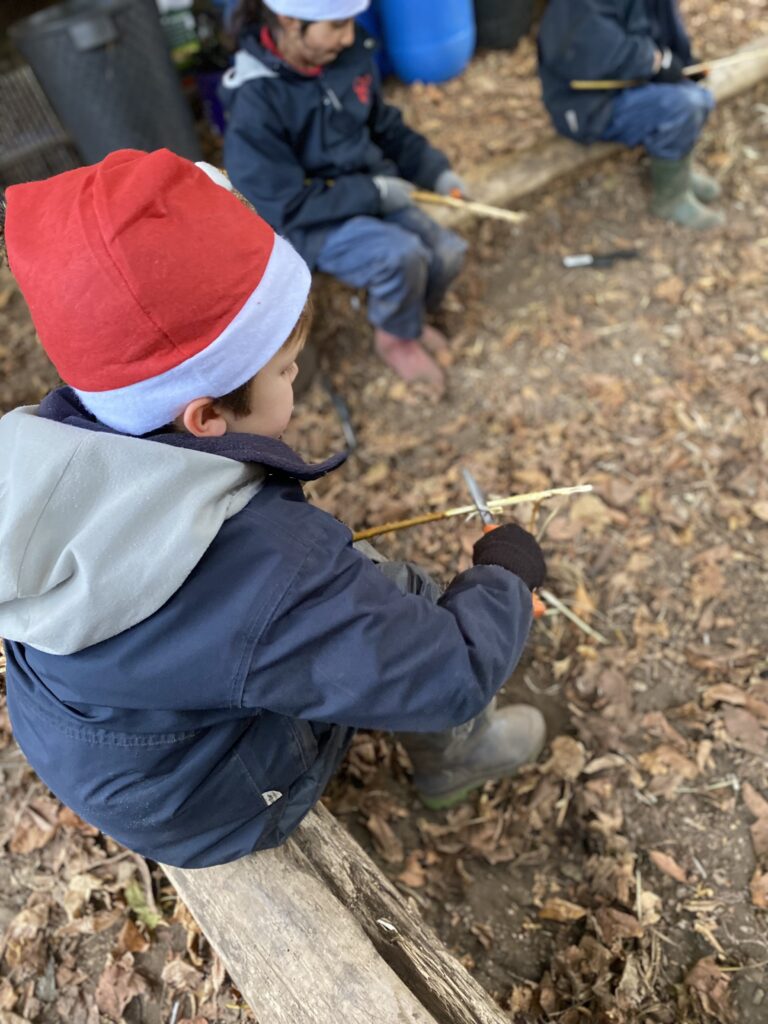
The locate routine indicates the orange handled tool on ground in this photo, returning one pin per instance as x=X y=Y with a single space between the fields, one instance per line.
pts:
x=489 y=523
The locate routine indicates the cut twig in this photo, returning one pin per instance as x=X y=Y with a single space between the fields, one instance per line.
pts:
x=495 y=505
x=545 y=525
x=557 y=604
x=469 y=205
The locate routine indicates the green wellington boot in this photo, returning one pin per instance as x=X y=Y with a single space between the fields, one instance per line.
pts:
x=448 y=765
x=704 y=186
x=673 y=197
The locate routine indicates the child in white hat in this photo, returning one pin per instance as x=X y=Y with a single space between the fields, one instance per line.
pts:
x=312 y=144
x=189 y=643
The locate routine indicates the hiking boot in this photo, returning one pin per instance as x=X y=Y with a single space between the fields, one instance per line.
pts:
x=408 y=359
x=448 y=765
x=673 y=197
x=704 y=186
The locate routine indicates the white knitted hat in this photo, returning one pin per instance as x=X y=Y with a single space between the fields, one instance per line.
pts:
x=318 y=10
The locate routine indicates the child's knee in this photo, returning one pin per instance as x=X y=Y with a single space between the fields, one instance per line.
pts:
x=409 y=253
x=405 y=259
x=449 y=256
x=694 y=105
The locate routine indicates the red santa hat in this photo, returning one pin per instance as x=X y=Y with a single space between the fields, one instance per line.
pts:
x=150 y=284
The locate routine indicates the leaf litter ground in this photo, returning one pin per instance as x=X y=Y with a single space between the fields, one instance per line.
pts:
x=625 y=877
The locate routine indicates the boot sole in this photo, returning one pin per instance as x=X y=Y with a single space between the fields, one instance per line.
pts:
x=442 y=801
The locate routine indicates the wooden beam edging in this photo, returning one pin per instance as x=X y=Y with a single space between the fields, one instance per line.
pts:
x=505 y=181
x=314 y=933
x=407 y=944
x=294 y=952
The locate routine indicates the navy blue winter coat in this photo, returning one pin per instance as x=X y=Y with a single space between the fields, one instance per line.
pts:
x=209 y=728
x=590 y=39
x=304 y=148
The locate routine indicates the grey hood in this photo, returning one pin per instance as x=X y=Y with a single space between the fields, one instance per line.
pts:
x=98 y=530
x=245 y=68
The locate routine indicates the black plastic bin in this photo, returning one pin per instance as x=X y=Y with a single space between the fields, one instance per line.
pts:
x=502 y=23
x=104 y=66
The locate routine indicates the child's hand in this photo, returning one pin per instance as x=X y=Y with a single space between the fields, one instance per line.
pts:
x=513 y=548
x=450 y=184
x=394 y=193
x=669 y=69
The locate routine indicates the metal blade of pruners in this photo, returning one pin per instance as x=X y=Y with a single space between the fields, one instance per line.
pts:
x=479 y=499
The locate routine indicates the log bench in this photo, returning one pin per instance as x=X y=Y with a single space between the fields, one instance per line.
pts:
x=314 y=933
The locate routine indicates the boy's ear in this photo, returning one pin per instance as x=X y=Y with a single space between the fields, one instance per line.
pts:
x=201 y=418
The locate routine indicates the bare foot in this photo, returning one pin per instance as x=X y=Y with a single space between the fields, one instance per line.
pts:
x=437 y=344
x=408 y=359
x=434 y=341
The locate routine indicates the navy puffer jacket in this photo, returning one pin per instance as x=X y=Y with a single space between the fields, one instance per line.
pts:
x=593 y=39
x=303 y=148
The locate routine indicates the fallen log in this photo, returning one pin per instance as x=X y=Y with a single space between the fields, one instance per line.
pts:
x=314 y=933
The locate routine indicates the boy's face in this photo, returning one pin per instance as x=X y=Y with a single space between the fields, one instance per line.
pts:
x=271 y=393
x=320 y=43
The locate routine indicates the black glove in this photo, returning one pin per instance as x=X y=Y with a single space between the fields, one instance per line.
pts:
x=513 y=548
x=671 y=70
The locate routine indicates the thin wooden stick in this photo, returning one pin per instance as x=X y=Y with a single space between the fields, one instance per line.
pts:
x=583 y=85
x=593 y=85
x=470 y=205
x=558 y=605
x=494 y=505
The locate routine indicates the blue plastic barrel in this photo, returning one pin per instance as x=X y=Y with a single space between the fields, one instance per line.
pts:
x=428 y=41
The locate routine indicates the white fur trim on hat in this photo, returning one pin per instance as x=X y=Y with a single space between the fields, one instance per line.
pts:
x=245 y=345
x=215 y=174
x=318 y=10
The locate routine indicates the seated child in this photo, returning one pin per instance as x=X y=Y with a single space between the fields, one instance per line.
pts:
x=311 y=143
x=643 y=41
x=189 y=643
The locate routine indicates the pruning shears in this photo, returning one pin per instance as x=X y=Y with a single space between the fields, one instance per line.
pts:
x=489 y=523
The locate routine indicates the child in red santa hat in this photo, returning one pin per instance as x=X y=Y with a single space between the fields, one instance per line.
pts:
x=189 y=643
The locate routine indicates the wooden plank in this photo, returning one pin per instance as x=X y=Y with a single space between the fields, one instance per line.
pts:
x=502 y=182
x=395 y=928
x=314 y=933
x=297 y=955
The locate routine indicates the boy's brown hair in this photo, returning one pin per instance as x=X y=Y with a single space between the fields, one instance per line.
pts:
x=238 y=402
x=253 y=13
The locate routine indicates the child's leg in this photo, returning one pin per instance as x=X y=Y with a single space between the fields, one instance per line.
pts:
x=448 y=765
x=666 y=119
x=393 y=264
x=387 y=260
x=446 y=249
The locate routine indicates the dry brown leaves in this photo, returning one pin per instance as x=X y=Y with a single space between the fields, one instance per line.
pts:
x=649 y=382
x=118 y=985
x=708 y=986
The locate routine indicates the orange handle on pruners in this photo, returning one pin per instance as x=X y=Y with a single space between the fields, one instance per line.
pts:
x=539 y=608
